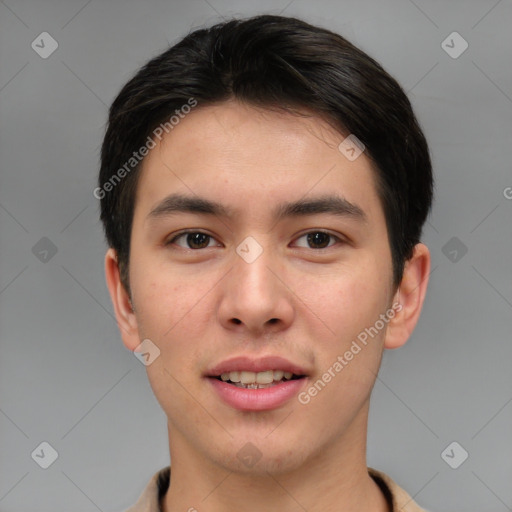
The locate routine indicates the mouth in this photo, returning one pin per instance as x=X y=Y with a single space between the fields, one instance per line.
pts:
x=260 y=380
x=250 y=384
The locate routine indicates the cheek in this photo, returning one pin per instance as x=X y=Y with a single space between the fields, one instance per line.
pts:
x=160 y=294
x=348 y=300
x=173 y=311
x=351 y=303
x=349 y=358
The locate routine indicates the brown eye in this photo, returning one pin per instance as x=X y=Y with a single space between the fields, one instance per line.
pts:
x=193 y=240
x=318 y=240
x=197 y=240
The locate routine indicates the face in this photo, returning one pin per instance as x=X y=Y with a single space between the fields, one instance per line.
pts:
x=286 y=257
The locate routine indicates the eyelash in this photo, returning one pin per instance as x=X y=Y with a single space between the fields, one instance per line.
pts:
x=187 y=232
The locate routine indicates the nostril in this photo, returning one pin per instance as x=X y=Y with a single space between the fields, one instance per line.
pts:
x=237 y=321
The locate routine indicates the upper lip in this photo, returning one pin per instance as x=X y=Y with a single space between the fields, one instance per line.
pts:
x=255 y=365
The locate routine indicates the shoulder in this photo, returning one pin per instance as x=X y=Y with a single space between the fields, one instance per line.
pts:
x=399 y=499
x=149 y=500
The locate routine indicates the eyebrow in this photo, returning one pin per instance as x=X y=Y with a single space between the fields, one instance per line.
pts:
x=330 y=204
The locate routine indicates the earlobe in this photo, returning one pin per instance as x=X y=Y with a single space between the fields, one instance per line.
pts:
x=125 y=314
x=410 y=295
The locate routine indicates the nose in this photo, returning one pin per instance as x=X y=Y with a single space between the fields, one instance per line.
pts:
x=255 y=296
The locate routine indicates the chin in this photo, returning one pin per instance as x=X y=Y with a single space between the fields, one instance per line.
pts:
x=261 y=457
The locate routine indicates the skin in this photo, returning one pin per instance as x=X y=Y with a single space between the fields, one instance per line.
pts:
x=202 y=306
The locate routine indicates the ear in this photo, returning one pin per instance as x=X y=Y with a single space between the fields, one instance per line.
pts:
x=125 y=315
x=410 y=295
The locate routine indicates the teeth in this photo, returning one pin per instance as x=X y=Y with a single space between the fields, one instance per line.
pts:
x=234 y=376
x=266 y=377
x=278 y=374
x=252 y=386
x=247 y=377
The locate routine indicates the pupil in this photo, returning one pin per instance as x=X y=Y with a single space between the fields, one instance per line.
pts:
x=197 y=239
x=318 y=239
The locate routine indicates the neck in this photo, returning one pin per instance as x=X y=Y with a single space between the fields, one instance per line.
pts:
x=334 y=480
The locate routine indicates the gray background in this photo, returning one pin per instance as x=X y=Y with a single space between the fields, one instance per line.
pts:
x=66 y=378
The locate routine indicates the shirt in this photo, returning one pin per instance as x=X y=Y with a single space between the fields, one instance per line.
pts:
x=149 y=501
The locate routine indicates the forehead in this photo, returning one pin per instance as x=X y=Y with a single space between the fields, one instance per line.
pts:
x=244 y=156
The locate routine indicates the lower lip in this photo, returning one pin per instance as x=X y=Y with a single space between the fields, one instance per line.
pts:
x=257 y=399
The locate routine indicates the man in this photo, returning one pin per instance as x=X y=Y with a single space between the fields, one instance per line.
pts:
x=263 y=189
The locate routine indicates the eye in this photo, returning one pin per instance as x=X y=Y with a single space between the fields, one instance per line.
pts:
x=193 y=240
x=318 y=240
x=198 y=240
